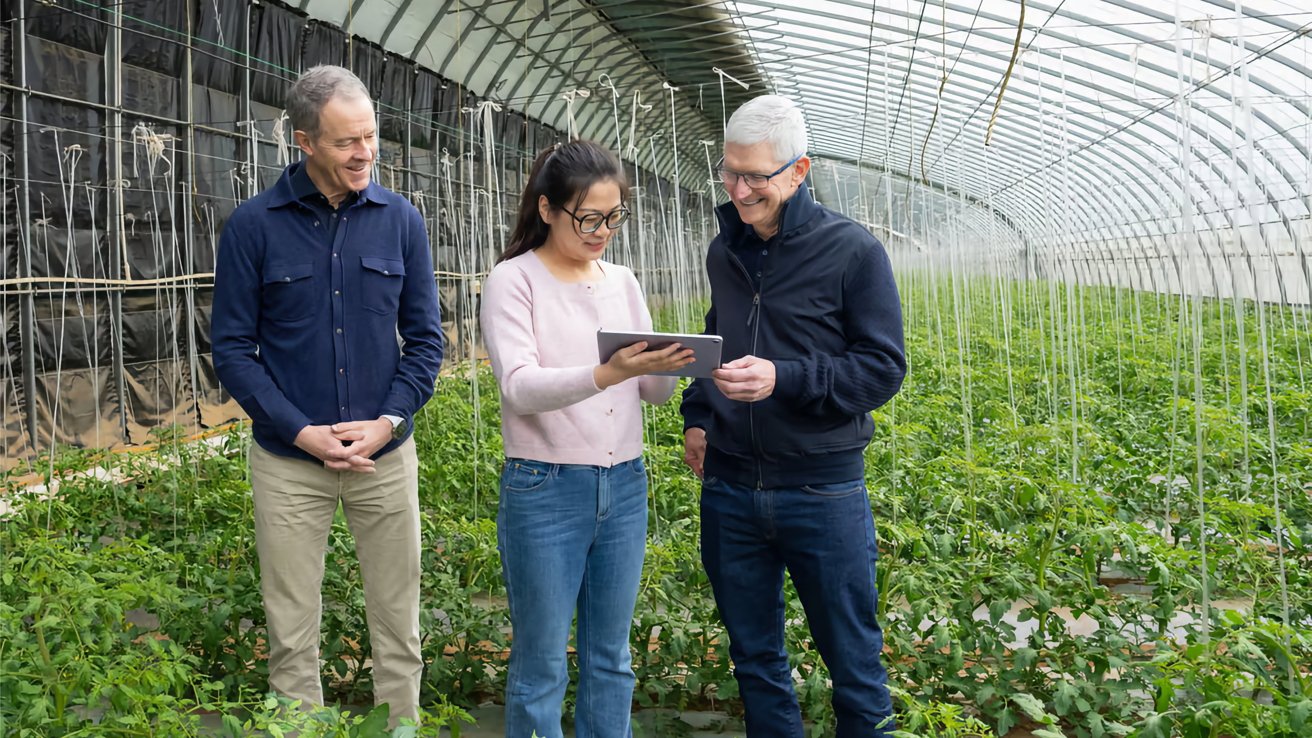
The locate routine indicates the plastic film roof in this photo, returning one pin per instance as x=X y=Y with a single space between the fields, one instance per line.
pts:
x=1117 y=119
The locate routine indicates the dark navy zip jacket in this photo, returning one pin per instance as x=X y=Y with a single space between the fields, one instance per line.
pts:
x=827 y=314
x=309 y=304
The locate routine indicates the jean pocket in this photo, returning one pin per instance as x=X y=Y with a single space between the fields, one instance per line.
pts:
x=709 y=482
x=526 y=475
x=382 y=280
x=835 y=489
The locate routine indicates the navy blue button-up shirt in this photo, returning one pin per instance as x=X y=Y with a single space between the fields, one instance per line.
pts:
x=308 y=306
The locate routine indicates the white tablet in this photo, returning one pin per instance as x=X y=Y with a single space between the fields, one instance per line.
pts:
x=706 y=349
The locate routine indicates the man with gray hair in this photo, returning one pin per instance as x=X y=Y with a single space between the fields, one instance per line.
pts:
x=316 y=278
x=807 y=306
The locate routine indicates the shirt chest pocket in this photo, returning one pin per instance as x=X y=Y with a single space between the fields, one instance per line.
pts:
x=288 y=294
x=381 y=281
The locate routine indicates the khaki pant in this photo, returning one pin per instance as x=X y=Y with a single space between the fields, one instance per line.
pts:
x=295 y=501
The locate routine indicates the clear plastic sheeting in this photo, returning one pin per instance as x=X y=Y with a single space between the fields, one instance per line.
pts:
x=1098 y=129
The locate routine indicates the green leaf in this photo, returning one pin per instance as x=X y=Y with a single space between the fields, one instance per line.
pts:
x=1299 y=713
x=232 y=727
x=374 y=724
x=1032 y=707
x=1005 y=721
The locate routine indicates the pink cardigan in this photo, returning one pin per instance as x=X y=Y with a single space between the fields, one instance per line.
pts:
x=541 y=334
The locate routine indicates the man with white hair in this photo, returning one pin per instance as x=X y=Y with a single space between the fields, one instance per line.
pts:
x=807 y=306
x=316 y=278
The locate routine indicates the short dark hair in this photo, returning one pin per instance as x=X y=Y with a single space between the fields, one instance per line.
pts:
x=563 y=173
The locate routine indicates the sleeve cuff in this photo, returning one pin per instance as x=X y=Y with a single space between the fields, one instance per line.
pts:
x=788 y=375
x=289 y=427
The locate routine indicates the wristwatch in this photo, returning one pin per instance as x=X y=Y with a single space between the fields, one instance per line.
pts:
x=399 y=426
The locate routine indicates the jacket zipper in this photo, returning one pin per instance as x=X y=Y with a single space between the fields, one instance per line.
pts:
x=753 y=319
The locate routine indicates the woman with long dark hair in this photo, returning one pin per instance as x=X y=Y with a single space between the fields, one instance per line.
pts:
x=572 y=516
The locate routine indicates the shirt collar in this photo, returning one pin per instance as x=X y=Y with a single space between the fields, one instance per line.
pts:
x=295 y=185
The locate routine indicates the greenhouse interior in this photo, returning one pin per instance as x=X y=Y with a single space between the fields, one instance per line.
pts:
x=1091 y=495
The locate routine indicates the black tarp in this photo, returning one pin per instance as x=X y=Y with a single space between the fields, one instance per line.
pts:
x=266 y=158
x=65 y=152
x=150 y=92
x=65 y=70
x=367 y=61
x=153 y=236
x=155 y=35
x=393 y=97
x=87 y=404
x=157 y=363
x=73 y=331
x=276 y=48
x=82 y=254
x=9 y=244
x=215 y=109
x=323 y=44
x=70 y=22
x=14 y=441
x=421 y=109
x=214 y=199
x=74 y=378
x=220 y=38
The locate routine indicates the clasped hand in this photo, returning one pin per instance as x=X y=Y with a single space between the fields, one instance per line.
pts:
x=328 y=443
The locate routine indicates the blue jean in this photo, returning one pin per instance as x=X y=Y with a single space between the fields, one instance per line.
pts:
x=571 y=536
x=824 y=536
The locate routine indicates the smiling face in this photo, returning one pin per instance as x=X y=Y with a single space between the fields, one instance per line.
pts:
x=760 y=208
x=564 y=235
x=340 y=157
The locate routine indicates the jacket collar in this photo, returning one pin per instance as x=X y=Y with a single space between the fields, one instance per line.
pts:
x=295 y=183
x=796 y=211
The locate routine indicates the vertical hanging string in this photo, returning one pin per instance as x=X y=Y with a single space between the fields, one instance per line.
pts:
x=480 y=117
x=632 y=153
x=569 y=96
x=1278 y=530
x=1134 y=70
x=72 y=155
x=724 y=103
x=491 y=185
x=1188 y=240
x=606 y=82
x=1071 y=285
x=280 y=136
x=681 y=306
x=711 y=180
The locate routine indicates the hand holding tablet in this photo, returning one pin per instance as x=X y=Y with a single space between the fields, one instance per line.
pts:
x=706 y=349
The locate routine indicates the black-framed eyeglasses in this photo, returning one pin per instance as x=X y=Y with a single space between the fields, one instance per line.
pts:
x=754 y=181
x=591 y=222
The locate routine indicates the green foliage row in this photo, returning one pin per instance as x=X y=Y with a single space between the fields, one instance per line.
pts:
x=1042 y=459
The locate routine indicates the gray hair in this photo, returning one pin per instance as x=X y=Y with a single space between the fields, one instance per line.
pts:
x=771 y=118
x=316 y=86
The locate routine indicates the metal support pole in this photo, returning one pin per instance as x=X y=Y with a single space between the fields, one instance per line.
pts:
x=247 y=117
x=27 y=302
x=187 y=187
x=118 y=268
